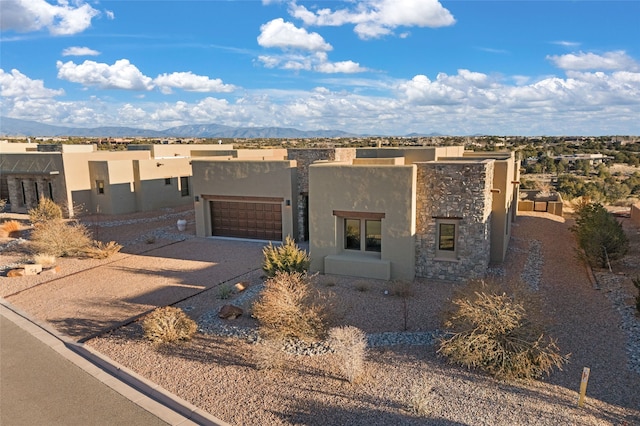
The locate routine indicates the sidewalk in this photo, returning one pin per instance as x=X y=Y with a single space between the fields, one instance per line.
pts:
x=43 y=381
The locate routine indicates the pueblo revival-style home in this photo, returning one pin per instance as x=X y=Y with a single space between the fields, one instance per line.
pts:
x=386 y=213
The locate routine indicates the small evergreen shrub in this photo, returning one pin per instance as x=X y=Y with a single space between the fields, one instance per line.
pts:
x=599 y=234
x=224 y=292
x=287 y=257
x=491 y=332
x=59 y=238
x=47 y=210
x=10 y=229
x=350 y=348
x=168 y=324
x=289 y=308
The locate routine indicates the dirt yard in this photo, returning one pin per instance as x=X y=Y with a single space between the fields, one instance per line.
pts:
x=98 y=301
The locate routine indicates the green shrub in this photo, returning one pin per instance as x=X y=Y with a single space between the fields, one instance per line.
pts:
x=287 y=257
x=168 y=324
x=59 y=238
x=350 y=348
x=46 y=210
x=224 y=292
x=491 y=332
x=599 y=235
x=289 y=307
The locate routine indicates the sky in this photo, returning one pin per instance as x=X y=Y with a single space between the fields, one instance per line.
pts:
x=379 y=67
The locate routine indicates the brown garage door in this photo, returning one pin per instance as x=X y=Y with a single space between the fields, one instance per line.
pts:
x=243 y=219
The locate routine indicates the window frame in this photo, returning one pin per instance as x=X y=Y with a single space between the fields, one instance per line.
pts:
x=184 y=186
x=363 y=221
x=447 y=253
x=99 y=186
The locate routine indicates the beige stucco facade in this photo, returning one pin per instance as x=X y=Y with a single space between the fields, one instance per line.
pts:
x=437 y=212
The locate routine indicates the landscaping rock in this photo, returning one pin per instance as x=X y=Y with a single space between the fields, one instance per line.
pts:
x=239 y=287
x=16 y=273
x=53 y=271
x=230 y=312
x=34 y=269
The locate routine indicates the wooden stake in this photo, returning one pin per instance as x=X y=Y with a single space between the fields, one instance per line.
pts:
x=583 y=385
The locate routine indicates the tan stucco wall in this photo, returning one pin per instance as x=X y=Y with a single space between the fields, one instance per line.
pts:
x=151 y=191
x=177 y=150
x=119 y=195
x=375 y=189
x=240 y=178
x=16 y=147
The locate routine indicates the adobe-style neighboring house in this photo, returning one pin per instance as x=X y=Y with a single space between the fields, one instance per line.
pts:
x=387 y=213
x=80 y=177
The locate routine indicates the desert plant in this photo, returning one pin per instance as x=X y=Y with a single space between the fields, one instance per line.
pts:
x=289 y=307
x=404 y=291
x=599 y=234
x=636 y=283
x=362 y=286
x=60 y=238
x=46 y=260
x=167 y=325
x=491 y=332
x=420 y=398
x=268 y=354
x=100 y=250
x=10 y=228
x=45 y=211
x=287 y=257
x=350 y=347
x=3 y=204
x=224 y=292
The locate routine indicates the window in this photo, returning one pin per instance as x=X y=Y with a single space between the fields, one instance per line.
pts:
x=100 y=186
x=446 y=239
x=50 y=190
x=354 y=229
x=167 y=181
x=184 y=186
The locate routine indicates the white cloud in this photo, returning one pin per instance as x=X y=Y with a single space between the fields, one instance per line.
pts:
x=190 y=82
x=121 y=75
x=285 y=35
x=347 y=67
x=17 y=85
x=617 y=60
x=35 y=15
x=377 y=18
x=565 y=43
x=79 y=51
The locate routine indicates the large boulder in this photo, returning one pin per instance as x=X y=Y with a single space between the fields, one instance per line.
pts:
x=230 y=312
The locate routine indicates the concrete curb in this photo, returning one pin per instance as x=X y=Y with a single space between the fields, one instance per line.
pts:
x=146 y=394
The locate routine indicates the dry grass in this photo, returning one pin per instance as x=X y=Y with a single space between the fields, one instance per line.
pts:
x=350 y=347
x=59 y=238
x=420 y=397
x=168 y=325
x=100 y=250
x=268 y=354
x=10 y=229
x=289 y=307
x=47 y=210
x=46 y=260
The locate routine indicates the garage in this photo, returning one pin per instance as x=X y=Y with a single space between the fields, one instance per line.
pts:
x=260 y=218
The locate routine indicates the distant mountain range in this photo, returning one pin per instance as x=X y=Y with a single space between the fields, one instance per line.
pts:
x=26 y=128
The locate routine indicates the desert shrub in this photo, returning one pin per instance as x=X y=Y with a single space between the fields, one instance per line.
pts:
x=289 y=307
x=224 y=292
x=167 y=325
x=100 y=250
x=491 y=332
x=45 y=260
x=60 y=238
x=287 y=257
x=599 y=235
x=3 y=204
x=268 y=354
x=46 y=210
x=362 y=286
x=10 y=228
x=420 y=397
x=350 y=347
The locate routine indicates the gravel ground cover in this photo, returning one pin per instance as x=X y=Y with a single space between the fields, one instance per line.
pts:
x=216 y=371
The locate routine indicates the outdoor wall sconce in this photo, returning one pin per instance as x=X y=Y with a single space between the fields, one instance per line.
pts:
x=197 y=198
x=159 y=164
x=287 y=202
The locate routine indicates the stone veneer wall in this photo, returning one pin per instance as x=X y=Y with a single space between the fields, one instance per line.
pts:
x=457 y=190
x=304 y=158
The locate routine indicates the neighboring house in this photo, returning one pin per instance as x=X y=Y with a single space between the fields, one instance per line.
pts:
x=82 y=178
x=389 y=213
